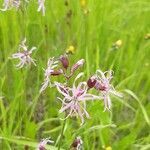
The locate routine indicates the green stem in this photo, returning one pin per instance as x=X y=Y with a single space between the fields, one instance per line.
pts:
x=61 y=134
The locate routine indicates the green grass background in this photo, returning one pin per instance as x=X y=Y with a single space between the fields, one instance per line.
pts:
x=26 y=116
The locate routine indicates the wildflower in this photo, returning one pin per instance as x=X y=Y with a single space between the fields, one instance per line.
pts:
x=74 y=101
x=8 y=4
x=70 y=49
x=117 y=44
x=64 y=60
x=83 y=3
x=43 y=143
x=108 y=148
x=41 y=7
x=147 y=36
x=77 y=143
x=103 y=85
x=24 y=55
x=77 y=65
x=49 y=71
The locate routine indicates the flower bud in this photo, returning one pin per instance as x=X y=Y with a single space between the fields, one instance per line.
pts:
x=91 y=82
x=56 y=72
x=64 y=60
x=77 y=65
x=77 y=143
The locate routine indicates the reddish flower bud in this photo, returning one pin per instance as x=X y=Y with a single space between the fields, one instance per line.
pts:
x=56 y=72
x=77 y=143
x=91 y=82
x=64 y=60
x=42 y=148
x=77 y=65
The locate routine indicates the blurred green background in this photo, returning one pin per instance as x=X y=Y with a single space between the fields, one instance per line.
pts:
x=92 y=27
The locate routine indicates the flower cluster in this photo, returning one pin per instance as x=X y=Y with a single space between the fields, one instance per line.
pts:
x=74 y=98
x=54 y=69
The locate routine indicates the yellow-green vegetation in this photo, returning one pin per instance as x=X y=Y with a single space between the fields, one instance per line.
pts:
x=108 y=34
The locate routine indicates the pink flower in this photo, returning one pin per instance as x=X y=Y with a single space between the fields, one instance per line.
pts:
x=74 y=101
x=24 y=55
x=103 y=85
x=8 y=4
x=41 y=7
x=43 y=143
x=49 y=71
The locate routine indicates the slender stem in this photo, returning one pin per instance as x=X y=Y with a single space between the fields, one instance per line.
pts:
x=61 y=134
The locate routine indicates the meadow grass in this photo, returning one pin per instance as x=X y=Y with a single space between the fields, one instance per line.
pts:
x=26 y=116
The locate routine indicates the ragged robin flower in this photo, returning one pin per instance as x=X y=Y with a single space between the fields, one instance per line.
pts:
x=50 y=71
x=43 y=143
x=105 y=88
x=8 y=4
x=74 y=99
x=24 y=55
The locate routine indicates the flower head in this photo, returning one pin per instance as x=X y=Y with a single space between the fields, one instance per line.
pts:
x=8 y=4
x=117 y=44
x=70 y=49
x=24 y=55
x=108 y=148
x=43 y=143
x=74 y=101
x=83 y=3
x=50 y=71
x=103 y=85
x=41 y=7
